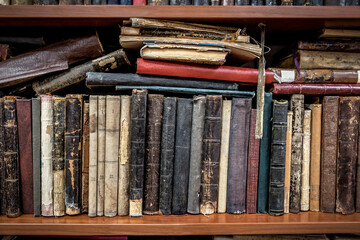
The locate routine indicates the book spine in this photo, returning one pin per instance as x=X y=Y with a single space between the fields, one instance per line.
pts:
x=352 y=2
x=211 y=155
x=21 y=2
x=157 y=2
x=113 y=2
x=36 y=153
x=47 y=184
x=153 y=149
x=317 y=2
x=101 y=154
x=180 y=2
x=85 y=159
x=2 y=162
x=99 y=2
x=71 y=2
x=87 y=2
x=196 y=154
x=256 y=2
x=214 y=2
x=139 y=2
x=242 y=2
x=112 y=137
x=317 y=89
x=58 y=155
x=272 y=2
x=72 y=147
x=5 y=2
x=333 y=2
x=287 y=2
x=46 y=2
x=305 y=168
x=289 y=130
x=278 y=156
x=137 y=157
x=330 y=116
x=93 y=152
x=315 y=157
x=182 y=156
x=203 y=2
x=264 y=157
x=126 y=2
x=167 y=155
x=347 y=154
x=124 y=156
x=227 y=2
x=238 y=152
x=331 y=46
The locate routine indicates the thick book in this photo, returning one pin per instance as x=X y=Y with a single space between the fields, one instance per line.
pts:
x=211 y=155
x=36 y=152
x=2 y=162
x=305 y=165
x=223 y=73
x=137 y=157
x=167 y=155
x=288 y=161
x=316 y=89
x=330 y=45
x=238 y=153
x=23 y=112
x=101 y=138
x=196 y=154
x=315 y=157
x=85 y=158
x=153 y=153
x=182 y=156
x=278 y=155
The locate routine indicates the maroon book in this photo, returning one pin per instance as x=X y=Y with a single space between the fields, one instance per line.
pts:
x=317 y=89
x=4 y=52
x=23 y=110
x=253 y=167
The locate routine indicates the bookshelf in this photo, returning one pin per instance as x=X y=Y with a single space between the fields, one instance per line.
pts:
x=282 y=20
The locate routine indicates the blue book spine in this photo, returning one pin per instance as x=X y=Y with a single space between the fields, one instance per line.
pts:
x=125 y=2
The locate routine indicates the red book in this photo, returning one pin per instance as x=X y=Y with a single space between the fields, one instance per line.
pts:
x=253 y=167
x=222 y=73
x=139 y=2
x=317 y=89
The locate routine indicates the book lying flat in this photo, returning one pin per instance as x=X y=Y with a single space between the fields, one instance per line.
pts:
x=316 y=89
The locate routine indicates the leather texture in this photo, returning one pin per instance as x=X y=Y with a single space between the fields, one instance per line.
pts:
x=85 y=159
x=317 y=89
x=289 y=130
x=2 y=162
x=315 y=157
x=343 y=46
x=36 y=144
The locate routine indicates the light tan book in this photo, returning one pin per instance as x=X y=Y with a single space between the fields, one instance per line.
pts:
x=305 y=171
x=288 y=162
x=340 y=33
x=101 y=155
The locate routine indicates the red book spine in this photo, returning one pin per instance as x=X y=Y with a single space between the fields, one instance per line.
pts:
x=253 y=167
x=139 y=2
x=317 y=89
x=23 y=111
x=222 y=73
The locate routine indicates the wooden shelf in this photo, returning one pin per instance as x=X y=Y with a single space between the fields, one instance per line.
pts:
x=217 y=224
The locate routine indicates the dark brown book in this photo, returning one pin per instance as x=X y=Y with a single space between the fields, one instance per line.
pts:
x=333 y=46
x=316 y=89
x=23 y=111
x=85 y=159
x=4 y=52
x=2 y=162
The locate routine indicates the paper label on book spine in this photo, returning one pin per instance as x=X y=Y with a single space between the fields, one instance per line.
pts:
x=286 y=76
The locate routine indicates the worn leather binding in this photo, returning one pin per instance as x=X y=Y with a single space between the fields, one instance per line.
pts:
x=289 y=129
x=167 y=155
x=287 y=2
x=277 y=162
x=196 y=154
x=242 y=2
x=202 y=2
x=101 y=155
x=153 y=152
x=182 y=156
x=85 y=159
x=272 y=2
x=238 y=153
x=347 y=154
x=315 y=157
x=330 y=116
x=73 y=123
x=157 y=2
x=137 y=157
x=305 y=168
x=328 y=45
x=180 y=2
x=264 y=157
x=2 y=162
x=211 y=155
x=317 y=89
x=36 y=154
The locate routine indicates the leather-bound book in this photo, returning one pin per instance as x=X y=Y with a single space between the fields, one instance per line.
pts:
x=101 y=155
x=36 y=152
x=137 y=157
x=180 y=2
x=71 y=2
x=242 y=2
x=85 y=159
x=2 y=163
x=330 y=45
x=256 y=2
x=347 y=154
x=47 y=179
x=23 y=111
x=305 y=168
x=204 y=2
x=153 y=152
x=196 y=154
x=278 y=155
x=288 y=161
x=272 y=2
x=264 y=157
x=287 y=2
x=329 y=143
x=238 y=153
x=227 y=2
x=182 y=156
x=211 y=155
x=253 y=167
x=124 y=156
x=11 y=158
x=72 y=149
x=112 y=137
x=58 y=158
x=157 y=2
x=167 y=155
x=317 y=89
x=315 y=157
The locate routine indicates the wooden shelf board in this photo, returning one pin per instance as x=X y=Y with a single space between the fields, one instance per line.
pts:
x=217 y=224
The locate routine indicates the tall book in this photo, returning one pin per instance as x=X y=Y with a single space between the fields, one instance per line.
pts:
x=238 y=153
x=85 y=159
x=315 y=157
x=137 y=157
x=36 y=153
x=211 y=155
x=101 y=144
x=2 y=162
x=288 y=162
x=305 y=168
x=180 y=2
x=182 y=156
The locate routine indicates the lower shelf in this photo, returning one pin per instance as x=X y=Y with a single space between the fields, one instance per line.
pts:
x=217 y=224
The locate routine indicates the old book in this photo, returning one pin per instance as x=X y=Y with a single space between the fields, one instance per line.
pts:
x=153 y=152
x=202 y=2
x=340 y=33
x=227 y=2
x=126 y=2
x=347 y=154
x=112 y=137
x=316 y=89
x=196 y=154
x=278 y=156
x=99 y=2
x=58 y=158
x=224 y=155
x=330 y=45
x=167 y=155
x=289 y=130
x=72 y=149
x=287 y=2
x=315 y=157
x=101 y=155
x=272 y=2
x=77 y=74
x=264 y=157
x=238 y=153
x=180 y=2
x=334 y=2
x=85 y=158
x=305 y=165
x=297 y=106
x=4 y=52
x=11 y=158
x=157 y=2
x=242 y=2
x=47 y=182
x=329 y=124
x=51 y=58
x=182 y=156
x=36 y=152
x=113 y=2
x=71 y=2
x=5 y=2
x=256 y=2
x=302 y=2
x=124 y=156
x=2 y=162
x=23 y=112
x=139 y=2
x=211 y=155
x=137 y=157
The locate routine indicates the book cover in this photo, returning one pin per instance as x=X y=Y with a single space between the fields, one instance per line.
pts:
x=85 y=158
x=316 y=89
x=305 y=168
x=289 y=130
x=101 y=138
x=36 y=152
x=315 y=157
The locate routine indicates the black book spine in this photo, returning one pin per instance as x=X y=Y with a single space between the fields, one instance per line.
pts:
x=2 y=162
